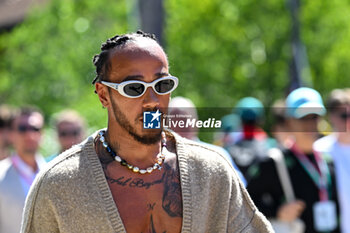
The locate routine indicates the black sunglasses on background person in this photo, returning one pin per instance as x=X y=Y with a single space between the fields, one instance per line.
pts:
x=67 y=133
x=27 y=128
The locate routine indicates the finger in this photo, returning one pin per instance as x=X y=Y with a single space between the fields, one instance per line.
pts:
x=300 y=203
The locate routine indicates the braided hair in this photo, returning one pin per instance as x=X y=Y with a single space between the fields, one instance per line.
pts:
x=101 y=60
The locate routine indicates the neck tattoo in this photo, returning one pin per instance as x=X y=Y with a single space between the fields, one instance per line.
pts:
x=123 y=162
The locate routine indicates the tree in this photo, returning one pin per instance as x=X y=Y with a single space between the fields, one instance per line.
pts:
x=226 y=50
x=47 y=60
x=221 y=50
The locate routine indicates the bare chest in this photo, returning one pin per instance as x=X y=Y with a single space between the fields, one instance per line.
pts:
x=148 y=203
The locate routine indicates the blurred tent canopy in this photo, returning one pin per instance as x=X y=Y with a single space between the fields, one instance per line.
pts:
x=221 y=50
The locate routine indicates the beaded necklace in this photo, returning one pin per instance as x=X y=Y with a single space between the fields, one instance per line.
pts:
x=123 y=162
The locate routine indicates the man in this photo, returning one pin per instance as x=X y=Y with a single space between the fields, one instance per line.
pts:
x=70 y=127
x=337 y=145
x=18 y=171
x=180 y=106
x=312 y=179
x=253 y=143
x=130 y=179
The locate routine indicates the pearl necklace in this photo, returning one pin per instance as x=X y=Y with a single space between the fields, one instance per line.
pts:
x=157 y=165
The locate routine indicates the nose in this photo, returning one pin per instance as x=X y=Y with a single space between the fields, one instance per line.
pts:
x=151 y=99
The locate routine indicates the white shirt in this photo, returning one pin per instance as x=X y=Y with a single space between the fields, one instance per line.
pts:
x=26 y=173
x=14 y=186
x=341 y=157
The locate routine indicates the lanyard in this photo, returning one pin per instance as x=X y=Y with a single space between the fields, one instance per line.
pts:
x=27 y=179
x=320 y=175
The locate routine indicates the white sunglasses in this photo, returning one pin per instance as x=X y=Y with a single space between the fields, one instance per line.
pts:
x=136 y=88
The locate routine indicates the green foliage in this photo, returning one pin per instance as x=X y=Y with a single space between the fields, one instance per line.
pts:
x=48 y=59
x=326 y=33
x=221 y=50
x=225 y=50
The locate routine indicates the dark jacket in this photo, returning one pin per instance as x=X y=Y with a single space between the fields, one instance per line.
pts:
x=265 y=189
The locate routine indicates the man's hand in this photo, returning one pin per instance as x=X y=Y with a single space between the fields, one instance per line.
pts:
x=290 y=211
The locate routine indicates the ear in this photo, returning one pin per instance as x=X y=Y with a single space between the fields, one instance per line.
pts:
x=103 y=94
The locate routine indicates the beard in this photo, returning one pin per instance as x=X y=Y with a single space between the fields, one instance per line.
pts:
x=152 y=136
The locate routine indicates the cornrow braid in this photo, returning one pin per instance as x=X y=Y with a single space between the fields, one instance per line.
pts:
x=101 y=60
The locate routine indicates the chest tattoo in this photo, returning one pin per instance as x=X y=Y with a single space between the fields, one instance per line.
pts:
x=171 y=202
x=151 y=228
x=133 y=182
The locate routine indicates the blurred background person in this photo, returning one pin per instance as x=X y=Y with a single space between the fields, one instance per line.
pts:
x=312 y=178
x=70 y=127
x=6 y=118
x=179 y=108
x=253 y=143
x=230 y=132
x=18 y=171
x=337 y=145
x=279 y=129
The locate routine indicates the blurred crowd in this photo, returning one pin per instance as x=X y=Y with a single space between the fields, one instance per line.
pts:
x=20 y=137
x=296 y=174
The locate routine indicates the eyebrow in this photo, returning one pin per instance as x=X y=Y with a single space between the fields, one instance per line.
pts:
x=162 y=74
x=140 y=77
x=132 y=77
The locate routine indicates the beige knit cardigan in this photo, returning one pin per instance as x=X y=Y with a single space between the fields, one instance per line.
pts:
x=72 y=195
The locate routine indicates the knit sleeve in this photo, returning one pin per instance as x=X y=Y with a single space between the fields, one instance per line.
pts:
x=243 y=214
x=39 y=215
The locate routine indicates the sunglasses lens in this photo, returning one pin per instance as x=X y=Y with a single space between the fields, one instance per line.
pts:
x=22 y=129
x=164 y=86
x=134 y=89
x=344 y=116
x=25 y=128
x=73 y=133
